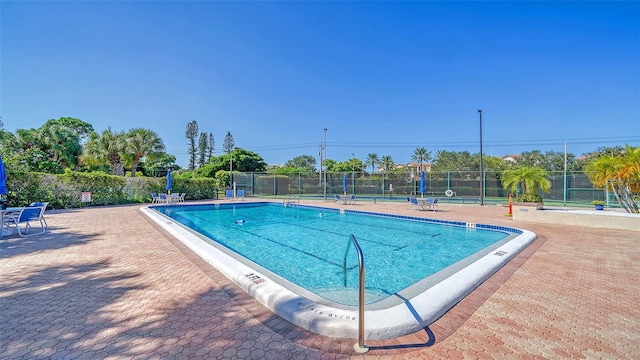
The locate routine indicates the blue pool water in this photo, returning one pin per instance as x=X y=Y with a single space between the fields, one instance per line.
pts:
x=306 y=245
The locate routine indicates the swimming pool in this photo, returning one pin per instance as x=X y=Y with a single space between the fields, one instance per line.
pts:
x=292 y=261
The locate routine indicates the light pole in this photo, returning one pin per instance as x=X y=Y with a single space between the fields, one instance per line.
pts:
x=481 y=170
x=325 y=158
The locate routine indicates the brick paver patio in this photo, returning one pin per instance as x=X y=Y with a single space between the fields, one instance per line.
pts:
x=107 y=283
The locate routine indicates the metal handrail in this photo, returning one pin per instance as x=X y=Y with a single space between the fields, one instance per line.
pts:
x=360 y=347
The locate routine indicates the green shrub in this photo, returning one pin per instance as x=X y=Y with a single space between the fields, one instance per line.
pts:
x=529 y=198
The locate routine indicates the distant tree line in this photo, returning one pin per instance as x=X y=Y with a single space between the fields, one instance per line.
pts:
x=70 y=144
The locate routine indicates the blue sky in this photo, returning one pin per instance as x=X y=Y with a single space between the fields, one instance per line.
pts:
x=383 y=77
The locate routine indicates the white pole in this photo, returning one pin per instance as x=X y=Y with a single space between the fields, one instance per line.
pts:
x=565 y=175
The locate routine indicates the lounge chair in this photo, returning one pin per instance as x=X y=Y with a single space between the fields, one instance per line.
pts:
x=337 y=198
x=240 y=194
x=26 y=216
x=162 y=198
x=434 y=205
x=414 y=203
x=429 y=203
x=425 y=204
x=154 y=198
x=182 y=195
x=228 y=195
x=351 y=200
x=44 y=205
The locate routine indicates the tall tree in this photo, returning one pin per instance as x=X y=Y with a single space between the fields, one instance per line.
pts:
x=455 y=161
x=211 y=147
x=30 y=153
x=228 y=144
x=158 y=163
x=532 y=158
x=352 y=165
x=554 y=161
x=387 y=163
x=61 y=144
x=372 y=160
x=54 y=147
x=80 y=128
x=106 y=147
x=243 y=160
x=421 y=155
x=304 y=164
x=139 y=143
x=191 y=133
x=203 y=144
x=63 y=138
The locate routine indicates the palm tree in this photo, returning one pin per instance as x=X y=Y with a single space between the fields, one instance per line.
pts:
x=106 y=147
x=387 y=163
x=620 y=174
x=420 y=155
x=530 y=178
x=139 y=143
x=373 y=160
x=61 y=146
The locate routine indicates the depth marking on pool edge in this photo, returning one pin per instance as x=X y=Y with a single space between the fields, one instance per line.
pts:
x=325 y=314
x=255 y=278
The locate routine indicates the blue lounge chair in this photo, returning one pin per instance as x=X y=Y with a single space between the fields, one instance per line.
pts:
x=434 y=205
x=26 y=216
x=240 y=194
x=414 y=203
x=337 y=198
x=352 y=200
x=44 y=204
x=162 y=198
x=228 y=195
x=429 y=203
x=426 y=203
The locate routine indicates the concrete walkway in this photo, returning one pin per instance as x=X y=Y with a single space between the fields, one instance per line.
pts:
x=107 y=283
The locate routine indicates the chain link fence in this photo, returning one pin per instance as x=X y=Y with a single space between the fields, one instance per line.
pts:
x=462 y=186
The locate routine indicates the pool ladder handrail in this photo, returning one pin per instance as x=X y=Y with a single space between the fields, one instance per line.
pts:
x=360 y=347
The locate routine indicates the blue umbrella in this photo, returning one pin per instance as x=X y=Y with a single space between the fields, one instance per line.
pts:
x=3 y=179
x=344 y=184
x=422 y=183
x=169 y=180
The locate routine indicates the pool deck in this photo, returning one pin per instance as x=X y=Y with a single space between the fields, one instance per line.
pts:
x=108 y=283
